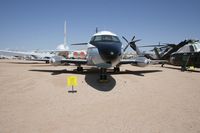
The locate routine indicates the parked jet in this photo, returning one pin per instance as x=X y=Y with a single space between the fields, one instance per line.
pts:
x=105 y=51
x=32 y=55
x=45 y=55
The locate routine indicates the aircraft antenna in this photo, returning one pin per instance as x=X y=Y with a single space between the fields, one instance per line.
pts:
x=97 y=29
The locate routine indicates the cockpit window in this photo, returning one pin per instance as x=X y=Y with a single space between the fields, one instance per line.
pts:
x=191 y=48
x=186 y=49
x=116 y=39
x=197 y=47
x=97 y=38
x=105 y=38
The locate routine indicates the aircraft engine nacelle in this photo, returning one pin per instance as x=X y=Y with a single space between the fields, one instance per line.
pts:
x=56 y=60
x=142 y=61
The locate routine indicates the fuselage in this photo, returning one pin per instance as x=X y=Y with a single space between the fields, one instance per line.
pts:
x=104 y=50
x=188 y=54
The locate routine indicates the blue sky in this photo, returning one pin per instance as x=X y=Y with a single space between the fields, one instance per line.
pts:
x=38 y=24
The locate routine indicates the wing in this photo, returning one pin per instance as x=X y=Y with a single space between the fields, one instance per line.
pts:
x=141 y=61
x=58 y=60
x=74 y=61
x=127 y=61
x=14 y=53
x=35 y=55
x=44 y=59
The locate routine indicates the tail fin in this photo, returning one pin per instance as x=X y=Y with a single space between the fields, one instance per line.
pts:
x=64 y=45
x=65 y=32
x=65 y=35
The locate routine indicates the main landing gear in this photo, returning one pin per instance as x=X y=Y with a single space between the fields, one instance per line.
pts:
x=79 y=69
x=116 y=69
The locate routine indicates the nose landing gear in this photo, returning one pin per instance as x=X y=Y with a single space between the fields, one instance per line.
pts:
x=103 y=75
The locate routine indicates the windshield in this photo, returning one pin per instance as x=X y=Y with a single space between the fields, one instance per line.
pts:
x=186 y=49
x=197 y=47
x=190 y=48
x=105 y=38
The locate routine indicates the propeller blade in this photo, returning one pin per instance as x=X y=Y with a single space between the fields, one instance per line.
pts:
x=132 y=44
x=133 y=38
x=137 y=40
x=125 y=39
x=126 y=47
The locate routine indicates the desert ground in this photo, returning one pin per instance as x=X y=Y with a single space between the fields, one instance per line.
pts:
x=34 y=98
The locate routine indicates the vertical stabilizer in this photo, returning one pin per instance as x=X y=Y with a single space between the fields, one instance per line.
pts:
x=64 y=47
x=65 y=36
x=65 y=33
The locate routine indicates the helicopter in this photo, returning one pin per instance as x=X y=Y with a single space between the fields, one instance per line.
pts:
x=188 y=55
x=184 y=54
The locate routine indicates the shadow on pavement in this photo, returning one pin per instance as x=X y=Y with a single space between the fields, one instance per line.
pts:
x=92 y=76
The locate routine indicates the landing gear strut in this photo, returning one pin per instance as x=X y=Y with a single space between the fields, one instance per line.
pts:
x=116 y=69
x=183 y=68
x=103 y=75
x=162 y=64
x=79 y=69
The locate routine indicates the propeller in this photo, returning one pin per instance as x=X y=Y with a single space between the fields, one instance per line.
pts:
x=132 y=44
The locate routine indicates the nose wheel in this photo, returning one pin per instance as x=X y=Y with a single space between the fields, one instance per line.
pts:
x=103 y=75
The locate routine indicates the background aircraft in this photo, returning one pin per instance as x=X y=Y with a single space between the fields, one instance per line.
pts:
x=33 y=55
x=188 y=55
x=184 y=54
x=46 y=55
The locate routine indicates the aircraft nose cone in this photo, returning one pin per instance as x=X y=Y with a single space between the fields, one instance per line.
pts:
x=110 y=55
x=110 y=52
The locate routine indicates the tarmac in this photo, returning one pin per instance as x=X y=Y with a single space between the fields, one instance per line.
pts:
x=34 y=98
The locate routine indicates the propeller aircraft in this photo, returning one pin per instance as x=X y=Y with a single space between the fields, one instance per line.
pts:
x=104 y=50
